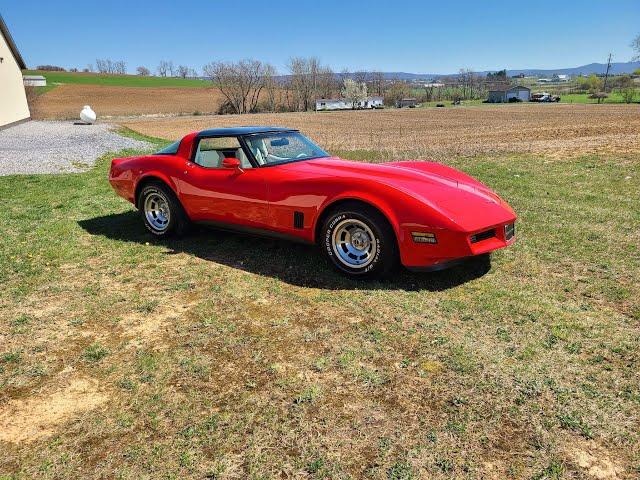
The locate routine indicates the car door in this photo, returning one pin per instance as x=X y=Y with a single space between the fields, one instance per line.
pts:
x=211 y=192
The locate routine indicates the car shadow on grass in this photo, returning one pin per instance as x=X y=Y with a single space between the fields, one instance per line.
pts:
x=292 y=263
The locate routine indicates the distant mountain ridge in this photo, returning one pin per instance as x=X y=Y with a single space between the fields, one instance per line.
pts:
x=617 y=68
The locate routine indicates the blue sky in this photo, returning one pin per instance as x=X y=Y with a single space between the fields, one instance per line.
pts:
x=409 y=36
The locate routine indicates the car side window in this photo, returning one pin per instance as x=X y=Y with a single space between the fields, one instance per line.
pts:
x=212 y=151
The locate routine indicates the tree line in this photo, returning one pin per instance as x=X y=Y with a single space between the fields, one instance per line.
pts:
x=252 y=85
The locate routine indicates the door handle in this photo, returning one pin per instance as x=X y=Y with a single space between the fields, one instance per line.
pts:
x=189 y=165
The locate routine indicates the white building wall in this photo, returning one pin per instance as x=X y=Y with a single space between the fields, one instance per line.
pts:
x=13 y=99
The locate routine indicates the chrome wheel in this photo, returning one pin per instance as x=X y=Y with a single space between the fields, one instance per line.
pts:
x=157 y=212
x=354 y=244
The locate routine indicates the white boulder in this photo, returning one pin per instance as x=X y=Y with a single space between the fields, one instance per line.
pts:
x=87 y=115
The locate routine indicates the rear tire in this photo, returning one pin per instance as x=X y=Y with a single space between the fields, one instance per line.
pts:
x=359 y=242
x=161 y=211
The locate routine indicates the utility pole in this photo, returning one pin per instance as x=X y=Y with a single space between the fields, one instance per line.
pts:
x=606 y=75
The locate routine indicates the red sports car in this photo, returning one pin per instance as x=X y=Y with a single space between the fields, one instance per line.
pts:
x=365 y=217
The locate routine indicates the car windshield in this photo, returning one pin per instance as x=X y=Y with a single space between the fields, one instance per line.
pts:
x=272 y=148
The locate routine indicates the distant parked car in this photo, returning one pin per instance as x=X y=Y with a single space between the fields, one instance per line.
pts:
x=365 y=217
x=544 y=97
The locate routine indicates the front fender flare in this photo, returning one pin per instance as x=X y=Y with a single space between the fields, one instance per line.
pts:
x=372 y=200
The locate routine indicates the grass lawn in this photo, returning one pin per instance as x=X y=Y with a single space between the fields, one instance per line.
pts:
x=118 y=80
x=614 y=97
x=224 y=356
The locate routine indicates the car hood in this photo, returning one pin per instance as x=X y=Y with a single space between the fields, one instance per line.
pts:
x=460 y=198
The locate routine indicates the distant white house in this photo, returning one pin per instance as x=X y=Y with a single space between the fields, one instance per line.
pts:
x=555 y=78
x=34 y=81
x=344 y=104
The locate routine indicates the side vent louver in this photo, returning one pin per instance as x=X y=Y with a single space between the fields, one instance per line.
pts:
x=298 y=220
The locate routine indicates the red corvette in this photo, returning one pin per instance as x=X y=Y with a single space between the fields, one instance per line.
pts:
x=365 y=217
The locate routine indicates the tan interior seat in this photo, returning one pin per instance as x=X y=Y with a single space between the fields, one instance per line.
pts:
x=210 y=159
x=259 y=150
x=244 y=161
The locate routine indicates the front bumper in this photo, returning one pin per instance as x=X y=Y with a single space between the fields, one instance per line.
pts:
x=452 y=246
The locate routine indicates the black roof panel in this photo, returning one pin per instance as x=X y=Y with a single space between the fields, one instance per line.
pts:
x=235 y=131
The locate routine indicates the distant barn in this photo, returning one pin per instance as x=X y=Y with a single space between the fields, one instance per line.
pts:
x=407 y=102
x=34 y=81
x=503 y=96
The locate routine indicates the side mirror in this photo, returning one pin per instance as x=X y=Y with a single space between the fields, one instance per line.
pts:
x=232 y=163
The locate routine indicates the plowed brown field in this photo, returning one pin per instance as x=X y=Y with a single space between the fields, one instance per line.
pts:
x=553 y=130
x=66 y=101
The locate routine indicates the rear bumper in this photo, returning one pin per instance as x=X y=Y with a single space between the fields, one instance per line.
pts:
x=452 y=247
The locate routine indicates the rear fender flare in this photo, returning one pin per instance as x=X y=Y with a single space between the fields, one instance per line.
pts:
x=153 y=176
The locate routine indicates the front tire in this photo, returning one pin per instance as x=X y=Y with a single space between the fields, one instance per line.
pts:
x=161 y=211
x=359 y=241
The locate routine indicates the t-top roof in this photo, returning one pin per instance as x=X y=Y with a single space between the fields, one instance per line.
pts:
x=12 y=46
x=235 y=131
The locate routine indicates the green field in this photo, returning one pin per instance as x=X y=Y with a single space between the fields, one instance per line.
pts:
x=614 y=97
x=223 y=356
x=117 y=80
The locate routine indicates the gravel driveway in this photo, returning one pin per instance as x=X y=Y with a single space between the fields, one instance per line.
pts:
x=58 y=147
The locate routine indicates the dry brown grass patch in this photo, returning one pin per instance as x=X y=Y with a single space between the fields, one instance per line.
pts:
x=35 y=417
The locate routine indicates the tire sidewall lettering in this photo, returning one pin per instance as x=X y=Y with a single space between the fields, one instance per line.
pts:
x=329 y=248
x=329 y=233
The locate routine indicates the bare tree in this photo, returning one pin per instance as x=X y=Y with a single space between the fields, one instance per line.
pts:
x=343 y=75
x=143 y=71
x=428 y=91
x=354 y=91
x=327 y=82
x=239 y=82
x=299 y=71
x=360 y=76
x=103 y=65
x=468 y=83
x=377 y=83
x=635 y=45
x=107 y=65
x=270 y=86
x=305 y=78
x=119 y=67
x=164 y=68
x=89 y=68
x=183 y=71
x=396 y=92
